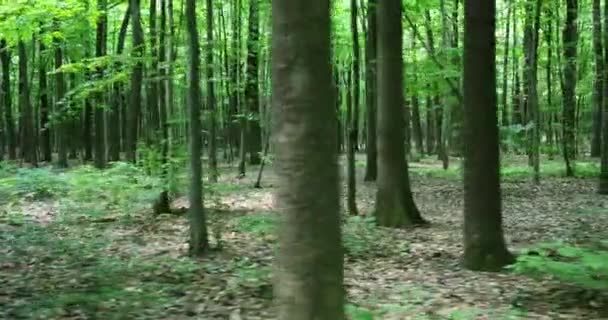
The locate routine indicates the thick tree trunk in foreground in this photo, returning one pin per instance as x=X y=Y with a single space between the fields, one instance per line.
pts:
x=309 y=272
x=484 y=245
x=199 y=243
x=395 y=205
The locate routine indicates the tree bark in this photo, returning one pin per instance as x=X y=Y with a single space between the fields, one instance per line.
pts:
x=29 y=149
x=505 y=67
x=5 y=61
x=213 y=172
x=395 y=205
x=570 y=40
x=598 y=84
x=45 y=128
x=351 y=187
x=355 y=83
x=309 y=272
x=100 y=51
x=199 y=243
x=136 y=81
x=371 y=149
x=254 y=137
x=484 y=244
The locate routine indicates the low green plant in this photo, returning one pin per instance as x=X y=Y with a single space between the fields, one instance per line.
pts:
x=583 y=266
x=37 y=184
x=257 y=223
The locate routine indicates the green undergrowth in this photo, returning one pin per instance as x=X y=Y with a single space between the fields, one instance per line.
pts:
x=584 y=266
x=515 y=171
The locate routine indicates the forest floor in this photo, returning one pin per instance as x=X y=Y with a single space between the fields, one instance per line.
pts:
x=82 y=244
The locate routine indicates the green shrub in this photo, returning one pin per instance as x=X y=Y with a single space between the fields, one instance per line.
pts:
x=585 y=267
x=258 y=223
x=37 y=184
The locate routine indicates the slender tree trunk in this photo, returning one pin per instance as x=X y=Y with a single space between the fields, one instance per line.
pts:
x=416 y=122
x=598 y=97
x=60 y=105
x=355 y=82
x=430 y=127
x=213 y=173
x=395 y=205
x=136 y=81
x=549 y=71
x=371 y=150
x=505 y=73
x=199 y=243
x=154 y=85
x=114 y=133
x=310 y=260
x=351 y=192
x=484 y=244
x=100 y=125
x=5 y=60
x=570 y=39
x=45 y=128
x=29 y=149
x=531 y=107
x=254 y=137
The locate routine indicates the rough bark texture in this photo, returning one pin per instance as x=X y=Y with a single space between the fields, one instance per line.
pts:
x=395 y=205
x=484 y=245
x=136 y=81
x=199 y=243
x=309 y=274
x=254 y=135
x=598 y=96
x=371 y=149
x=570 y=39
x=5 y=61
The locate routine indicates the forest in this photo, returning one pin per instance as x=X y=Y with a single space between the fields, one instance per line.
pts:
x=304 y=159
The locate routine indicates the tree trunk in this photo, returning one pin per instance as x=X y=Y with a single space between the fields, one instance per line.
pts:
x=154 y=85
x=213 y=173
x=199 y=243
x=505 y=73
x=598 y=97
x=114 y=134
x=254 y=135
x=531 y=107
x=29 y=149
x=351 y=188
x=136 y=81
x=100 y=51
x=60 y=105
x=430 y=126
x=395 y=205
x=484 y=244
x=416 y=122
x=45 y=128
x=309 y=270
x=5 y=60
x=570 y=40
x=356 y=60
x=371 y=149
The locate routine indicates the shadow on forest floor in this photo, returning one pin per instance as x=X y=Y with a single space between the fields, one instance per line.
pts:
x=82 y=245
